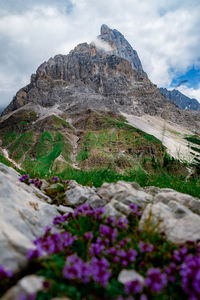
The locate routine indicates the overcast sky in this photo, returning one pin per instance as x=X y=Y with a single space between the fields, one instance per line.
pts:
x=165 y=33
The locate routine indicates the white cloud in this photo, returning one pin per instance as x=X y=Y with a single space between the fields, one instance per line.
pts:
x=164 y=33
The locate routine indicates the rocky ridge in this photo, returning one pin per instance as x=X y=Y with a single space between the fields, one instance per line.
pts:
x=181 y=100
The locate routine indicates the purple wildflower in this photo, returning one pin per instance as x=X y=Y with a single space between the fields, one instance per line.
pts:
x=190 y=273
x=133 y=208
x=25 y=178
x=55 y=179
x=110 y=221
x=100 y=271
x=145 y=247
x=96 y=249
x=88 y=235
x=51 y=243
x=124 y=242
x=27 y=297
x=179 y=255
x=106 y=231
x=133 y=287
x=76 y=269
x=156 y=280
x=122 y=223
x=60 y=219
x=143 y=297
x=5 y=274
x=125 y=257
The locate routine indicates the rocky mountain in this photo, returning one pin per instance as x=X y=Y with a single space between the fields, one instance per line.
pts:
x=73 y=113
x=180 y=99
x=90 y=77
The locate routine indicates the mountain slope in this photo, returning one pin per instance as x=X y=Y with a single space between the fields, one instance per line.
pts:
x=42 y=144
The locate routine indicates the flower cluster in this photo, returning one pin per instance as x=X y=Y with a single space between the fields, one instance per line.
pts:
x=156 y=280
x=133 y=287
x=51 y=243
x=55 y=179
x=134 y=209
x=88 y=250
x=86 y=210
x=145 y=247
x=123 y=257
x=190 y=274
x=25 y=178
x=97 y=270
x=35 y=181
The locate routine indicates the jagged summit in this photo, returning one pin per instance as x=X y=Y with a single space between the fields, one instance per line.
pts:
x=121 y=46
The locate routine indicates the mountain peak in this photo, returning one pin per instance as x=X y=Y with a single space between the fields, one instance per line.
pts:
x=120 y=46
x=105 y=29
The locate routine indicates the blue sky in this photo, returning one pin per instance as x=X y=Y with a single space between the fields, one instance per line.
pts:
x=165 y=33
x=190 y=78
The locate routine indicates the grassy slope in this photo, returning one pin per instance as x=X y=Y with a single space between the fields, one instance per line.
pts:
x=110 y=142
x=109 y=150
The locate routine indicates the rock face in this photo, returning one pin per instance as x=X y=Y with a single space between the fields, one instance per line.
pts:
x=175 y=220
x=22 y=218
x=181 y=100
x=121 y=46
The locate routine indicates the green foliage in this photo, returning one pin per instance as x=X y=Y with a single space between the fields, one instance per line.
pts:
x=49 y=146
x=9 y=138
x=152 y=138
x=23 y=122
x=59 y=123
x=57 y=192
x=89 y=141
x=21 y=145
x=193 y=139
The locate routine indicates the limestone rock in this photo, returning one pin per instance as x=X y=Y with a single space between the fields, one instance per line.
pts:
x=177 y=221
x=130 y=275
x=22 y=218
x=78 y=194
x=26 y=286
x=124 y=192
x=167 y=195
x=110 y=210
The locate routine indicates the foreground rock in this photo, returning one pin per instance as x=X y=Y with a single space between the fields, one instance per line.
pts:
x=178 y=222
x=24 y=211
x=26 y=286
x=23 y=217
